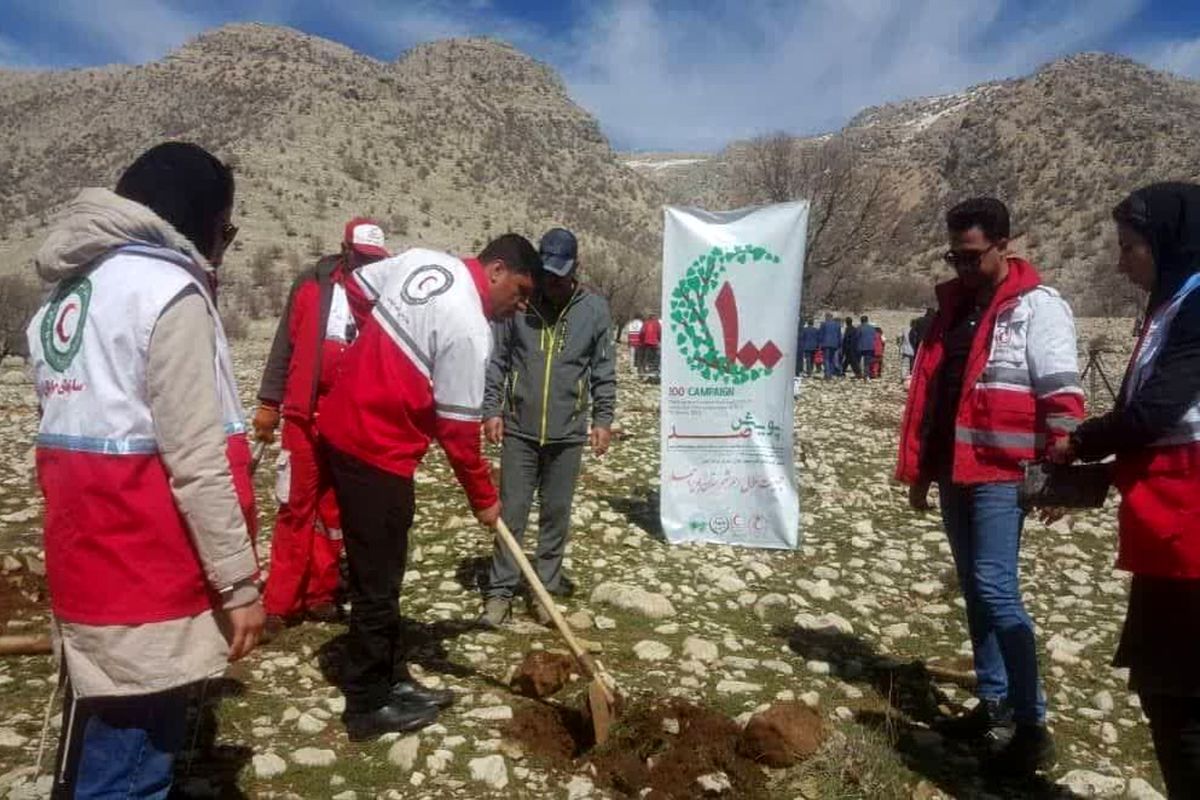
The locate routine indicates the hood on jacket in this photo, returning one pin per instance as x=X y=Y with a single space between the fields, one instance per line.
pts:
x=97 y=221
x=1168 y=215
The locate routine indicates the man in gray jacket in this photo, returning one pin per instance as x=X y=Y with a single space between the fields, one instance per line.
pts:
x=546 y=364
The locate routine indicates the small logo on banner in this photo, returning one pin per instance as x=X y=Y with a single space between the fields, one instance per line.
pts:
x=426 y=283
x=732 y=360
x=62 y=326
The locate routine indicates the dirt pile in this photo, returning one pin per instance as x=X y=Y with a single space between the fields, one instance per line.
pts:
x=542 y=674
x=657 y=750
x=783 y=735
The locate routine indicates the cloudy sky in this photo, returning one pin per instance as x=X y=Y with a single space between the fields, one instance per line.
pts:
x=671 y=74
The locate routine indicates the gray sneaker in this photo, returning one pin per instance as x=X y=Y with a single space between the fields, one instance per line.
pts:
x=496 y=611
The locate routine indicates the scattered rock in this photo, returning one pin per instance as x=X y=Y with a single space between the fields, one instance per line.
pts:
x=403 y=753
x=648 y=650
x=1139 y=789
x=633 y=599
x=314 y=757
x=580 y=787
x=737 y=687
x=783 y=735
x=700 y=649
x=10 y=738
x=714 y=784
x=268 y=765
x=1086 y=783
x=491 y=713
x=489 y=770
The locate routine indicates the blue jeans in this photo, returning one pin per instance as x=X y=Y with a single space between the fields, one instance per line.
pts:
x=121 y=747
x=983 y=524
x=830 y=354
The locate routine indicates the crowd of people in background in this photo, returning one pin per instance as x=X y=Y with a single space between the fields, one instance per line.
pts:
x=841 y=349
x=645 y=344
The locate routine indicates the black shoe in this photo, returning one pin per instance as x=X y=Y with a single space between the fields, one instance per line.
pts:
x=565 y=588
x=392 y=718
x=409 y=692
x=990 y=719
x=1029 y=751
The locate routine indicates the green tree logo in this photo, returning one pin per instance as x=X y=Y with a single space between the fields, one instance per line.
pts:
x=734 y=364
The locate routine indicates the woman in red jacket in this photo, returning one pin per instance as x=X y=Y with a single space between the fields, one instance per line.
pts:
x=1154 y=431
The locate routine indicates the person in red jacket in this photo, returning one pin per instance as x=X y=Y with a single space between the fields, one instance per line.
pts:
x=1154 y=432
x=415 y=374
x=316 y=328
x=996 y=382
x=652 y=343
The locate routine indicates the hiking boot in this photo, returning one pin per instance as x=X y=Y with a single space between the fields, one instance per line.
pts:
x=989 y=720
x=1030 y=750
x=411 y=691
x=496 y=612
x=324 y=612
x=395 y=717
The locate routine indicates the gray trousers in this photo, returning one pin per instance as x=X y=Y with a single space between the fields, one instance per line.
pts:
x=551 y=471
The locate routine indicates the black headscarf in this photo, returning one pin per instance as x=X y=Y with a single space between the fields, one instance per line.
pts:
x=185 y=185
x=1168 y=216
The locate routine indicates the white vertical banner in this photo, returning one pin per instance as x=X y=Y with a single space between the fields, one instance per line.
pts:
x=731 y=296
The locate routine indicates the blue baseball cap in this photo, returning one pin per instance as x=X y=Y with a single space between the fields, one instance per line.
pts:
x=559 y=251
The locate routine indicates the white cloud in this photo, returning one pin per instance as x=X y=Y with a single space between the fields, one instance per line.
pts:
x=1181 y=57
x=690 y=74
x=132 y=31
x=662 y=78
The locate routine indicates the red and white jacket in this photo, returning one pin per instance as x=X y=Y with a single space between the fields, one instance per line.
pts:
x=416 y=371
x=1020 y=389
x=1160 y=483
x=118 y=550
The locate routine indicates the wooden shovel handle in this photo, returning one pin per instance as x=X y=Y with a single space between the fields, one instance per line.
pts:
x=24 y=645
x=514 y=548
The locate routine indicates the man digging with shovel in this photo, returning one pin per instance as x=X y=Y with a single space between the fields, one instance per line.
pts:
x=546 y=363
x=415 y=374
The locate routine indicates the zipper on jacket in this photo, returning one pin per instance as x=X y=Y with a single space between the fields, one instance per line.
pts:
x=552 y=334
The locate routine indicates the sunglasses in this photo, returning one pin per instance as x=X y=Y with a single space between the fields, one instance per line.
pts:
x=968 y=259
x=228 y=232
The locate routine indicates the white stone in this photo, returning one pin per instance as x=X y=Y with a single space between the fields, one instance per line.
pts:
x=700 y=649
x=818 y=590
x=1086 y=783
x=811 y=699
x=307 y=723
x=671 y=726
x=864 y=527
x=633 y=599
x=605 y=623
x=898 y=631
x=437 y=761
x=1103 y=700
x=268 y=765
x=314 y=757
x=782 y=667
x=491 y=713
x=737 y=687
x=1108 y=733
x=927 y=588
x=579 y=787
x=825 y=622
x=403 y=753
x=489 y=770
x=10 y=738
x=649 y=650
x=349 y=794
x=768 y=601
x=1139 y=789
x=716 y=783
x=818 y=667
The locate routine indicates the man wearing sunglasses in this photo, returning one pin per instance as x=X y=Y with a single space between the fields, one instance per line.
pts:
x=316 y=328
x=995 y=384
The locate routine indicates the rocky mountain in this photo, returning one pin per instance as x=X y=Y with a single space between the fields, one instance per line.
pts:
x=1061 y=146
x=455 y=142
